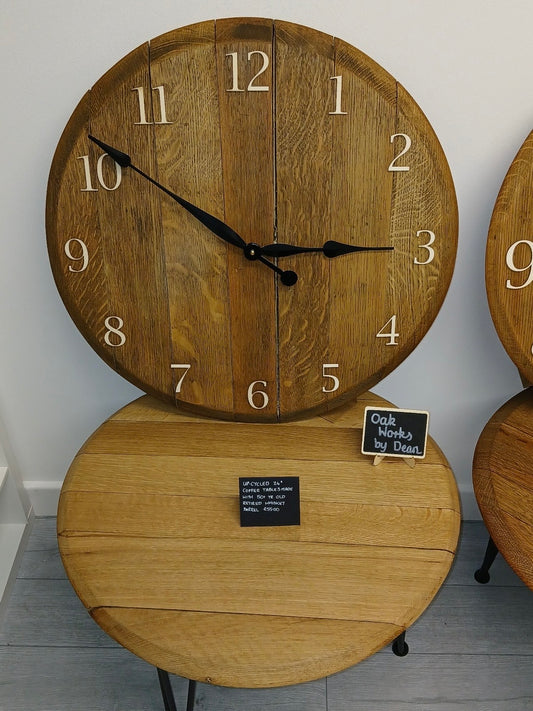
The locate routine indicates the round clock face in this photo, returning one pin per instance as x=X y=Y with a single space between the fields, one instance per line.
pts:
x=263 y=223
x=509 y=261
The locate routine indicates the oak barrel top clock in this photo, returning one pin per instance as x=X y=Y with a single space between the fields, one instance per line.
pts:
x=251 y=219
x=509 y=261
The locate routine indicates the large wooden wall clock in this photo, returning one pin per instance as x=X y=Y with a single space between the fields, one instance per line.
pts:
x=264 y=225
x=509 y=261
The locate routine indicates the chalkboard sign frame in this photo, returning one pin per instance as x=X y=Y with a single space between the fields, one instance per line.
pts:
x=395 y=420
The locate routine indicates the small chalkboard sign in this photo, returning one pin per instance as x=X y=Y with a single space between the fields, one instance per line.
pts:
x=389 y=432
x=270 y=501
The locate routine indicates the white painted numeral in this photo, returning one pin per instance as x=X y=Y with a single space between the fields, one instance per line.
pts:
x=235 y=72
x=185 y=367
x=427 y=245
x=392 y=334
x=257 y=395
x=335 y=384
x=113 y=325
x=266 y=61
x=142 y=106
x=338 y=96
x=83 y=257
x=88 y=182
x=510 y=261
x=397 y=168
x=99 y=174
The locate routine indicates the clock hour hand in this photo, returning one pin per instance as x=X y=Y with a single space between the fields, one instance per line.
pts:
x=330 y=249
x=216 y=226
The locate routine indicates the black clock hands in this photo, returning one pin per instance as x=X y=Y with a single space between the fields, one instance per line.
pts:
x=251 y=251
x=329 y=249
x=216 y=226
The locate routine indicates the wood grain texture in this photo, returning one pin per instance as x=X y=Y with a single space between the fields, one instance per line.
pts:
x=361 y=208
x=189 y=159
x=510 y=302
x=303 y=178
x=129 y=222
x=503 y=481
x=149 y=533
x=247 y=147
x=284 y=133
x=423 y=202
x=86 y=296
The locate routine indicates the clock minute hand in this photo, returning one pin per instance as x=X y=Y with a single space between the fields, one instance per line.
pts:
x=219 y=228
x=330 y=249
x=216 y=226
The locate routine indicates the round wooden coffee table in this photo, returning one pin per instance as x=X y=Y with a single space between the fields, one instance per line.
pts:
x=503 y=484
x=149 y=533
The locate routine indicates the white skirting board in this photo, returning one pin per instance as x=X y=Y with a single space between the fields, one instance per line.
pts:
x=44 y=497
x=13 y=525
x=11 y=536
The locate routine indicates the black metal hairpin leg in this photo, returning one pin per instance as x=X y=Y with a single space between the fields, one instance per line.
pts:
x=168 y=694
x=191 y=695
x=166 y=690
x=482 y=574
x=400 y=646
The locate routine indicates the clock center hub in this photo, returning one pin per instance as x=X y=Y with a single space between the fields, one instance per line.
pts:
x=252 y=251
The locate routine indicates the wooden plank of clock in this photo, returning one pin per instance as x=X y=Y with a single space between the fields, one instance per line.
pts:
x=503 y=481
x=246 y=130
x=64 y=182
x=366 y=300
x=304 y=133
x=136 y=288
x=149 y=533
x=189 y=161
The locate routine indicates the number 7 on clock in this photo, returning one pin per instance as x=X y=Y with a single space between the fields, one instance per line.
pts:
x=186 y=367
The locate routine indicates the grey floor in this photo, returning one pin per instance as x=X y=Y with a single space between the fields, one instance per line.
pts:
x=472 y=650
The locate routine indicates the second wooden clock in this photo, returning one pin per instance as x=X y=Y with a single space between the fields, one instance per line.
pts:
x=509 y=261
x=276 y=232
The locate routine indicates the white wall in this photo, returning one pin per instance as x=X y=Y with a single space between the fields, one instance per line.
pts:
x=468 y=63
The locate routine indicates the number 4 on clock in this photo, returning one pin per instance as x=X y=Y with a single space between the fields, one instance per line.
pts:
x=392 y=334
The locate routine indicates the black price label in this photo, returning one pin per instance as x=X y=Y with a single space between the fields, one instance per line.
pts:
x=270 y=501
x=395 y=433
